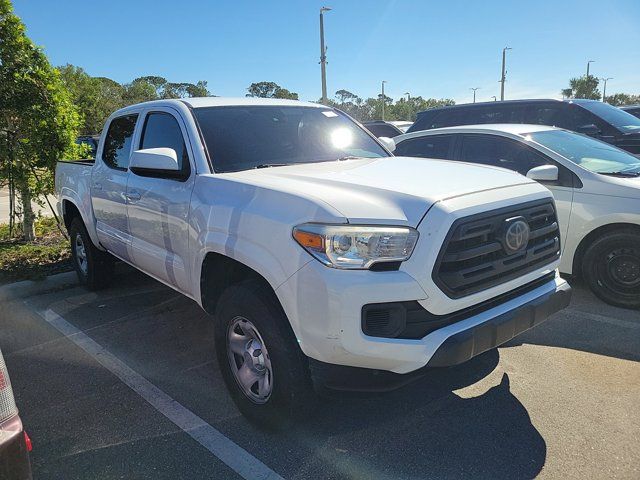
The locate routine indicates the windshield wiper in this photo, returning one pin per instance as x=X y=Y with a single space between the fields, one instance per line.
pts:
x=269 y=165
x=349 y=157
x=622 y=174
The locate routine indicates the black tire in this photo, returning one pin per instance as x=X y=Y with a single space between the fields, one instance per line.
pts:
x=291 y=393
x=96 y=271
x=611 y=268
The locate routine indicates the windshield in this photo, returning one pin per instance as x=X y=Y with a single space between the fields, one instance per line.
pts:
x=587 y=152
x=623 y=121
x=245 y=137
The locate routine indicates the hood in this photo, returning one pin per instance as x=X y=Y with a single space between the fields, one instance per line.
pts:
x=395 y=190
x=625 y=187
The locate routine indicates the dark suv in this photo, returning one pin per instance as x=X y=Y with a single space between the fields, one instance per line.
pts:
x=632 y=109
x=591 y=117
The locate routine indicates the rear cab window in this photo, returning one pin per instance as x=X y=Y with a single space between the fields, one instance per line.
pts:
x=117 y=143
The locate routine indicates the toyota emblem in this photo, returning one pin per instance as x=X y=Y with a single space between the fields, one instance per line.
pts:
x=516 y=236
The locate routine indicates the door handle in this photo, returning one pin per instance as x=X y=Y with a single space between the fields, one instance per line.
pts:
x=97 y=186
x=133 y=195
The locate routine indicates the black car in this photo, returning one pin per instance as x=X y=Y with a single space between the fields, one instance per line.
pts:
x=632 y=109
x=380 y=128
x=591 y=117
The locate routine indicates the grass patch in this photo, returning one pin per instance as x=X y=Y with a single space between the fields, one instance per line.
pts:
x=49 y=253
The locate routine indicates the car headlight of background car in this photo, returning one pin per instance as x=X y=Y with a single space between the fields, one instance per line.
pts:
x=356 y=246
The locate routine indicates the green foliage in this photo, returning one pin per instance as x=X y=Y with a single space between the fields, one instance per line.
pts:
x=371 y=108
x=97 y=97
x=583 y=87
x=270 y=90
x=621 y=99
x=38 y=121
x=48 y=253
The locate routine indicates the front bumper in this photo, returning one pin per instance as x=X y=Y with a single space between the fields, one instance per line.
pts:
x=468 y=343
x=324 y=307
x=456 y=349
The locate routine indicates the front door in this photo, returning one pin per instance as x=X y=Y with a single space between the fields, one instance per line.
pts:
x=508 y=153
x=109 y=186
x=158 y=206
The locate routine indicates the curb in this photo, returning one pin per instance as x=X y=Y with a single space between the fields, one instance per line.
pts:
x=27 y=288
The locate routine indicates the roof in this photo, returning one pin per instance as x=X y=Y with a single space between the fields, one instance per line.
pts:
x=198 y=102
x=510 y=128
x=509 y=102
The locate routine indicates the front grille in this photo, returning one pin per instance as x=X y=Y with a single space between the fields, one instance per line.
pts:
x=475 y=256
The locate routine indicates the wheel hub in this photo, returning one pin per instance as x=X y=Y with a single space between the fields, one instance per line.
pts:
x=623 y=266
x=249 y=360
x=81 y=254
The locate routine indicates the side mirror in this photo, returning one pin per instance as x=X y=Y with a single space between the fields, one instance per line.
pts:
x=544 y=173
x=589 y=129
x=388 y=142
x=155 y=162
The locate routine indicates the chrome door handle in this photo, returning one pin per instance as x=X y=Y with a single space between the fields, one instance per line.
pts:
x=133 y=195
x=97 y=186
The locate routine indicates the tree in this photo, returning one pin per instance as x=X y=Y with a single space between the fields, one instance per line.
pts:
x=270 y=90
x=38 y=121
x=583 y=87
x=345 y=96
x=95 y=97
x=621 y=99
x=140 y=90
x=144 y=89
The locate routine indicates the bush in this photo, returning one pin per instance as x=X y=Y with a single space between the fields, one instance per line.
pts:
x=49 y=253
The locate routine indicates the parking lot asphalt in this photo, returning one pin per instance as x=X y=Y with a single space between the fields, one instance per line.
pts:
x=560 y=401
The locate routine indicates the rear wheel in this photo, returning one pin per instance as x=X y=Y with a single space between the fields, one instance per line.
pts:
x=262 y=365
x=94 y=267
x=611 y=267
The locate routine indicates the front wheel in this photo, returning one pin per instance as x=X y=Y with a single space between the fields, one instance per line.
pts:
x=260 y=360
x=611 y=267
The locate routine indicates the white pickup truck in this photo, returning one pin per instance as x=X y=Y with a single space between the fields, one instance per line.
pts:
x=325 y=260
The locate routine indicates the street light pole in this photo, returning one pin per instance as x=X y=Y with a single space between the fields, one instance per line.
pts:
x=383 y=98
x=323 y=56
x=474 y=93
x=588 y=63
x=494 y=98
x=604 y=88
x=504 y=71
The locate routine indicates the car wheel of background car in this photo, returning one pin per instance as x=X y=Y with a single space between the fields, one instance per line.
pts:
x=94 y=267
x=261 y=363
x=611 y=267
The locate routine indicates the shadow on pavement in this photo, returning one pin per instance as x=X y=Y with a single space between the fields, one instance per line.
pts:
x=589 y=325
x=424 y=430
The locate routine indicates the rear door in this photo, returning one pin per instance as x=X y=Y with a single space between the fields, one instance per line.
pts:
x=158 y=206
x=508 y=153
x=109 y=184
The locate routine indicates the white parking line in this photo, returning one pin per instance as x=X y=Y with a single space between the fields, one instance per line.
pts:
x=236 y=457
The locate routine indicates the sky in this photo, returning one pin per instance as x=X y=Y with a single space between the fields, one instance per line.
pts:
x=432 y=48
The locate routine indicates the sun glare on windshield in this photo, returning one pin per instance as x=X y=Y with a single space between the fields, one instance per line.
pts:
x=341 y=137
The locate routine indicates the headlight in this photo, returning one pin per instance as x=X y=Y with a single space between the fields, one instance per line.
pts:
x=357 y=247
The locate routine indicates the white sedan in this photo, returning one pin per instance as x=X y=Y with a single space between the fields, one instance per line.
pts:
x=596 y=188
